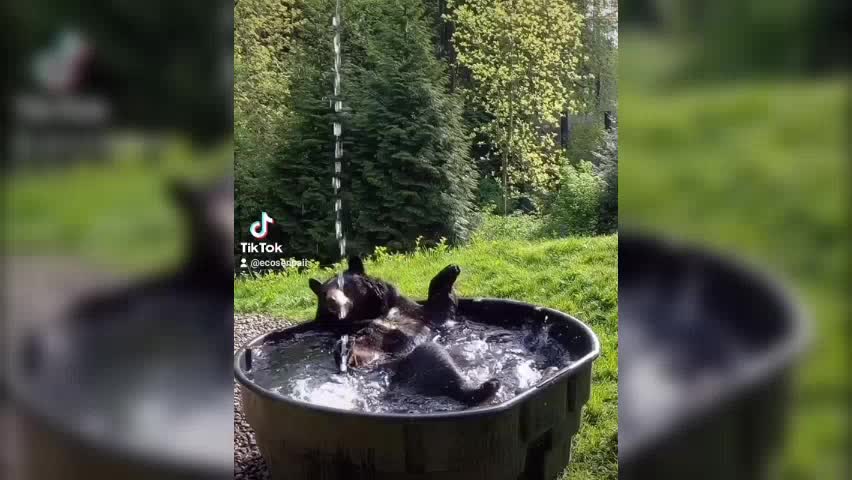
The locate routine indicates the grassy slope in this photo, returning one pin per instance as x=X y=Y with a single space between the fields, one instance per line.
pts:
x=575 y=275
x=758 y=168
x=115 y=214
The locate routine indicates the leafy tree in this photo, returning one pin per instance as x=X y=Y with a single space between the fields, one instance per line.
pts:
x=524 y=57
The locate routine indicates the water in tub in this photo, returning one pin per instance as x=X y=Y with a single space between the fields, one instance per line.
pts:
x=302 y=367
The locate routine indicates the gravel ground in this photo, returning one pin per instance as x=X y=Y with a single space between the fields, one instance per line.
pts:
x=248 y=464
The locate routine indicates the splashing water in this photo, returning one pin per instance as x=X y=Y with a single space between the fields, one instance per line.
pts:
x=338 y=143
x=302 y=367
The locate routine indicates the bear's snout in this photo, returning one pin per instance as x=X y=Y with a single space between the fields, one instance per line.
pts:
x=338 y=303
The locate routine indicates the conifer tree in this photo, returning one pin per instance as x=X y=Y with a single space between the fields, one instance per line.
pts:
x=406 y=169
x=410 y=169
x=300 y=189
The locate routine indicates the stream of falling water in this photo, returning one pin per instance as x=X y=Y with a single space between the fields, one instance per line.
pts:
x=338 y=143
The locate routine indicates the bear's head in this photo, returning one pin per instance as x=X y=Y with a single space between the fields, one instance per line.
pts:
x=353 y=297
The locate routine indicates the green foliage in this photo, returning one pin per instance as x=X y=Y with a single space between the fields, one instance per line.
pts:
x=407 y=171
x=509 y=227
x=599 y=36
x=490 y=194
x=410 y=170
x=301 y=194
x=263 y=43
x=524 y=57
x=585 y=139
x=574 y=275
x=575 y=208
x=607 y=156
x=263 y=39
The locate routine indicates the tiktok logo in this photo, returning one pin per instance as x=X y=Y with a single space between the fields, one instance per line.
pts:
x=259 y=229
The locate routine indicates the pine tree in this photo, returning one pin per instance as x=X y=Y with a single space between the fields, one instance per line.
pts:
x=410 y=171
x=301 y=194
x=407 y=172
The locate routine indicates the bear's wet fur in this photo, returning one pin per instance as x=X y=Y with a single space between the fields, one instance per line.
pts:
x=389 y=329
x=430 y=370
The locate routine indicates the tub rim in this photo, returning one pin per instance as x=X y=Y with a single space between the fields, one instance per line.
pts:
x=562 y=374
x=778 y=357
x=29 y=405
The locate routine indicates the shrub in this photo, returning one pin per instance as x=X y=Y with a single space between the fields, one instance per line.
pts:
x=607 y=157
x=575 y=206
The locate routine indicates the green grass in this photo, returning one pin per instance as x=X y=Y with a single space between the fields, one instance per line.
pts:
x=115 y=215
x=574 y=275
x=758 y=168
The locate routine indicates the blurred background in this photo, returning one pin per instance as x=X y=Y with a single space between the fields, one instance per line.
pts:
x=734 y=119
x=107 y=105
x=735 y=136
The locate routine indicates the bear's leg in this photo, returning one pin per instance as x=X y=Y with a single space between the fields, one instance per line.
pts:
x=430 y=370
x=442 y=283
x=441 y=305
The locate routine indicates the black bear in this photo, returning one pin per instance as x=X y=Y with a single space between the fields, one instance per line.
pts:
x=382 y=326
x=354 y=298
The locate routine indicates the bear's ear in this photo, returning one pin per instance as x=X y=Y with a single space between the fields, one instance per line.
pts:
x=356 y=266
x=315 y=285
